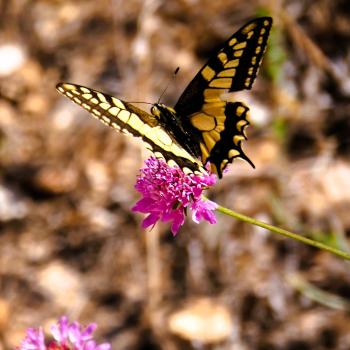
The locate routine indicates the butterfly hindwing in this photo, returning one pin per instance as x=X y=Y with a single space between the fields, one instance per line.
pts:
x=223 y=143
x=129 y=119
x=216 y=123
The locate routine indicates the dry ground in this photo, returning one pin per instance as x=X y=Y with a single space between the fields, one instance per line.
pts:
x=69 y=243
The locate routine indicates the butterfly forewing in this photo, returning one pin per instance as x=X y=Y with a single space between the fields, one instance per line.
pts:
x=234 y=67
x=129 y=119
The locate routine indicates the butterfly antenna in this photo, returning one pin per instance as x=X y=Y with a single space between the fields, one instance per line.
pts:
x=146 y=103
x=166 y=88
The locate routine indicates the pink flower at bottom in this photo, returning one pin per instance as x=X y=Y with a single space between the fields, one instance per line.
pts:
x=66 y=336
x=168 y=192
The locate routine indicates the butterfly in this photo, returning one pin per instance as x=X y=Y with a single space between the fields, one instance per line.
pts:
x=202 y=127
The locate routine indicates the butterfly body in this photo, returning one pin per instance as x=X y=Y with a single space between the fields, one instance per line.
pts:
x=174 y=125
x=202 y=127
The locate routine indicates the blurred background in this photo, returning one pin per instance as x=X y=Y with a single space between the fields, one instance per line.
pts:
x=69 y=243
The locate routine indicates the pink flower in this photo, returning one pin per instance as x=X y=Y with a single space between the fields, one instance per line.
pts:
x=66 y=336
x=34 y=340
x=168 y=192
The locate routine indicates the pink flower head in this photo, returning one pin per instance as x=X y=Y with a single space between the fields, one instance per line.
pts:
x=66 y=336
x=168 y=192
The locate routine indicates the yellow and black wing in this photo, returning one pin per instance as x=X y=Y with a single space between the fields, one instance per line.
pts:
x=217 y=124
x=129 y=119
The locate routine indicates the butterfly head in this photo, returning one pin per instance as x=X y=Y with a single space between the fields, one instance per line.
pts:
x=156 y=110
x=161 y=111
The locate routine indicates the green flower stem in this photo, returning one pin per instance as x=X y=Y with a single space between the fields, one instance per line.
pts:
x=283 y=232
